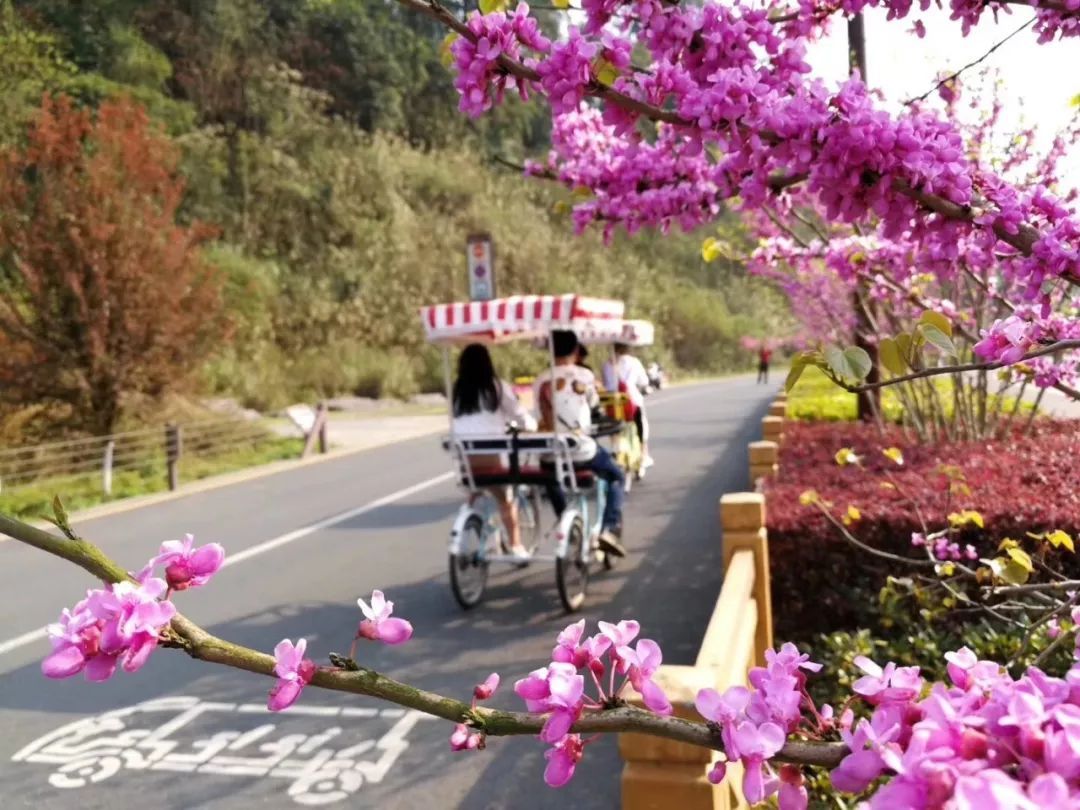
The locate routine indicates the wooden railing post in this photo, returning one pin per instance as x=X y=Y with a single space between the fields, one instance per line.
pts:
x=764 y=461
x=107 y=466
x=778 y=408
x=661 y=774
x=174 y=448
x=742 y=520
x=772 y=429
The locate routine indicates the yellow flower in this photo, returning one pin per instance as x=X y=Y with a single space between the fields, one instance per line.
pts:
x=809 y=497
x=894 y=455
x=845 y=456
x=852 y=515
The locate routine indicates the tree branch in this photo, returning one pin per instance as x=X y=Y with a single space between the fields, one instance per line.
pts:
x=201 y=645
x=1061 y=345
x=969 y=65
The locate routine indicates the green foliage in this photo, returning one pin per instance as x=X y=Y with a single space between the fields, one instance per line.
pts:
x=31 y=64
x=343 y=181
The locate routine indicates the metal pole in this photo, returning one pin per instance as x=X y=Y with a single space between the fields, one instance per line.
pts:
x=106 y=467
x=448 y=388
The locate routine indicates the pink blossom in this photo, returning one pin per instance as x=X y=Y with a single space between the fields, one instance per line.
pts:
x=115 y=626
x=562 y=759
x=482 y=691
x=464 y=738
x=892 y=683
x=643 y=664
x=294 y=672
x=188 y=567
x=379 y=625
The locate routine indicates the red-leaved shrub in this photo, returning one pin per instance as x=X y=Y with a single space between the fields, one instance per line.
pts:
x=821 y=583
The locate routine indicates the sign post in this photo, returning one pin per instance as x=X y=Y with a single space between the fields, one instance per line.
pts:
x=481 y=260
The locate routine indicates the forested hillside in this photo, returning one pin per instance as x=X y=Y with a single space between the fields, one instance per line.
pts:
x=326 y=186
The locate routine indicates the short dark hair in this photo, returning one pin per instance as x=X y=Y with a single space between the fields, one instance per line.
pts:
x=563 y=343
x=621 y=348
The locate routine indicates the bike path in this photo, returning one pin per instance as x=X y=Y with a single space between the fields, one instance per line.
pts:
x=206 y=743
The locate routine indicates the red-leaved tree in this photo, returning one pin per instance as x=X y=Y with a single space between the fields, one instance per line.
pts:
x=102 y=293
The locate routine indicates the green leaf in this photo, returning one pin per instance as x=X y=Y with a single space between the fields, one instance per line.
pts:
x=889 y=355
x=605 y=72
x=59 y=511
x=1075 y=102
x=561 y=3
x=852 y=363
x=860 y=361
x=798 y=366
x=1008 y=570
x=904 y=345
x=488 y=6
x=937 y=320
x=1021 y=558
x=938 y=339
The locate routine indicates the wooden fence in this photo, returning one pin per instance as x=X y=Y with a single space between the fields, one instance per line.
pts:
x=661 y=774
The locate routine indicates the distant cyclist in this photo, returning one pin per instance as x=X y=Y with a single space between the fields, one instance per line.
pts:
x=627 y=375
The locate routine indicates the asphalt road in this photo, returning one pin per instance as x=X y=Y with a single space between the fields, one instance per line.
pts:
x=304 y=544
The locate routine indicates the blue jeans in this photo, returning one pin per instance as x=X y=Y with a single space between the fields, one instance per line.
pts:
x=603 y=466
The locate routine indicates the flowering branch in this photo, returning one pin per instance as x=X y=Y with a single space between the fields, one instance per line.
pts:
x=1019 y=235
x=182 y=633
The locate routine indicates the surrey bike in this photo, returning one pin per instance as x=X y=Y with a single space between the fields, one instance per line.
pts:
x=533 y=461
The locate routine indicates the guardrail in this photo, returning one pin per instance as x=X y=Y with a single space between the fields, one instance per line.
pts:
x=660 y=774
x=151 y=449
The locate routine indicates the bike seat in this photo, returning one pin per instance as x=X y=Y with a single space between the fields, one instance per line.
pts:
x=528 y=474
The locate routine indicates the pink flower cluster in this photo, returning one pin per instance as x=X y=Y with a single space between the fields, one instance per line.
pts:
x=121 y=624
x=559 y=688
x=943 y=549
x=294 y=671
x=987 y=740
x=480 y=81
x=755 y=724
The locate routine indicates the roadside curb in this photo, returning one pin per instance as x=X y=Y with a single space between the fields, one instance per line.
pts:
x=223 y=480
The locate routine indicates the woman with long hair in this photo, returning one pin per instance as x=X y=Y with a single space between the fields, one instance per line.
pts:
x=483 y=405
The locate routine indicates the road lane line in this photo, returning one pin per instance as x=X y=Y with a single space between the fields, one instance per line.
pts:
x=276 y=542
x=19 y=641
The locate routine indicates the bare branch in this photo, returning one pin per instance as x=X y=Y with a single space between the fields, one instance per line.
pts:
x=953 y=76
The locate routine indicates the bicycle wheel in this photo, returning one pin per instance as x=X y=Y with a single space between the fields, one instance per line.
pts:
x=469 y=567
x=571 y=574
x=528 y=503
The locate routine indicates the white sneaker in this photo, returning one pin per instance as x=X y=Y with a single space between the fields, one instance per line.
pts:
x=521 y=554
x=647 y=462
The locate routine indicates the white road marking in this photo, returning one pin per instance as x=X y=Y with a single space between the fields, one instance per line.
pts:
x=276 y=542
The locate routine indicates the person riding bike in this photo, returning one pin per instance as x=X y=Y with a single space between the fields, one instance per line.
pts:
x=483 y=405
x=567 y=394
x=627 y=375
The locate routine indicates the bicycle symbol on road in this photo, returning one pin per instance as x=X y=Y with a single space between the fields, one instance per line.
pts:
x=142 y=738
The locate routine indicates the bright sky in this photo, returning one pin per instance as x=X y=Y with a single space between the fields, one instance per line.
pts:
x=1039 y=80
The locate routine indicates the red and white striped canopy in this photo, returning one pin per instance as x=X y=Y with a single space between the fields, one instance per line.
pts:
x=630 y=333
x=518 y=317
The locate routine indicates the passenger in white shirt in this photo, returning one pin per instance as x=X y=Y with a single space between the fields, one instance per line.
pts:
x=567 y=395
x=628 y=375
x=483 y=405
